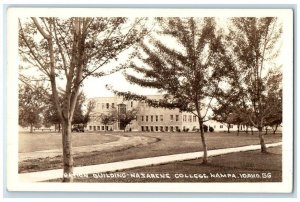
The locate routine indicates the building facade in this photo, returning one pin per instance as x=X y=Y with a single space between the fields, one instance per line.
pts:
x=148 y=118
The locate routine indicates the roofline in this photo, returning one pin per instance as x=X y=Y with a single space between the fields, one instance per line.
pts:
x=121 y=96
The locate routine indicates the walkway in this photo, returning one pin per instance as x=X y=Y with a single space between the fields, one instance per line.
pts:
x=111 y=167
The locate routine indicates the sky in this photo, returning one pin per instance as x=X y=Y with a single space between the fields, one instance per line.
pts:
x=96 y=87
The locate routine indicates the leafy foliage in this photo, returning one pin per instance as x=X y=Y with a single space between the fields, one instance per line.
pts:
x=31 y=105
x=72 y=49
x=123 y=117
x=254 y=45
x=187 y=73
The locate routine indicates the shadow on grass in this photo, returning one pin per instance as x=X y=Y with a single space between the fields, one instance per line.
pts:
x=250 y=166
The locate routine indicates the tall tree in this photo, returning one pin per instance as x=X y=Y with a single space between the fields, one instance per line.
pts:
x=73 y=49
x=254 y=46
x=229 y=107
x=274 y=100
x=81 y=112
x=224 y=109
x=31 y=105
x=189 y=73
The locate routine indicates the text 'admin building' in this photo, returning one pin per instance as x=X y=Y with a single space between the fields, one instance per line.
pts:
x=147 y=118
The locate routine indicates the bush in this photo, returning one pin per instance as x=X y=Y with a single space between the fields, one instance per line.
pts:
x=211 y=129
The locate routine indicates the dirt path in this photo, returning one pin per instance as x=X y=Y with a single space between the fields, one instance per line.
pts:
x=122 y=143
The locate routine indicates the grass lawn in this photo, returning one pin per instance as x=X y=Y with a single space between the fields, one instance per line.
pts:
x=250 y=166
x=168 y=143
x=37 y=141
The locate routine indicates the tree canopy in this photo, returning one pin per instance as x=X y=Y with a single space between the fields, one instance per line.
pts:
x=254 y=47
x=189 y=73
x=70 y=50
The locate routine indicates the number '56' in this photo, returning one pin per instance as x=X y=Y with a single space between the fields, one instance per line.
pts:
x=266 y=175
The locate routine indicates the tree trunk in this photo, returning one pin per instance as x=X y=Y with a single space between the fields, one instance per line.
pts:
x=252 y=131
x=31 y=128
x=238 y=130
x=247 y=129
x=266 y=130
x=228 y=127
x=276 y=126
x=67 y=152
x=59 y=127
x=204 y=161
x=262 y=140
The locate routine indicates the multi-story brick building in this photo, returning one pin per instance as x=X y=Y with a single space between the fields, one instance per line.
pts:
x=148 y=118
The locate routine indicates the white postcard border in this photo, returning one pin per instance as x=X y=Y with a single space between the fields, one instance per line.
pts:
x=13 y=182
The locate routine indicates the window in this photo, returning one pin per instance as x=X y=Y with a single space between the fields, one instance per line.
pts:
x=142 y=128
x=171 y=117
x=151 y=118
x=156 y=118
x=98 y=127
x=221 y=126
x=177 y=117
x=146 y=118
x=184 y=118
x=122 y=108
x=102 y=127
x=147 y=128
x=171 y=129
x=167 y=129
x=161 y=128
x=214 y=126
x=231 y=126
x=190 y=118
x=91 y=128
x=177 y=128
x=156 y=128
x=107 y=105
x=112 y=105
x=194 y=118
x=151 y=128
x=142 y=118
x=161 y=117
x=94 y=127
x=103 y=105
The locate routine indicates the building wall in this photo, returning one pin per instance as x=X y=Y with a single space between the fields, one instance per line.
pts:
x=104 y=105
x=150 y=118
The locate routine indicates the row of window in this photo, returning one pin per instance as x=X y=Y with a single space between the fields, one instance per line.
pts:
x=110 y=105
x=100 y=128
x=155 y=118
x=146 y=128
x=152 y=118
x=160 y=128
x=189 y=118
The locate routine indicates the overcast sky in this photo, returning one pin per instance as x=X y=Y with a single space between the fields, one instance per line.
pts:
x=95 y=87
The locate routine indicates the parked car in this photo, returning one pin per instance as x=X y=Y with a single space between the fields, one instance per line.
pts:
x=78 y=128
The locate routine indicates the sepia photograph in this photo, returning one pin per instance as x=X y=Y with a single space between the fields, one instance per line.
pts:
x=189 y=100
